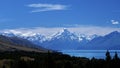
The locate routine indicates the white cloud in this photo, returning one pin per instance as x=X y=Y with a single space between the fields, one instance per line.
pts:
x=115 y=22
x=47 y=7
x=88 y=30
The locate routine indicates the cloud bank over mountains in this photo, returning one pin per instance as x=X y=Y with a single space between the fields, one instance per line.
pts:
x=47 y=31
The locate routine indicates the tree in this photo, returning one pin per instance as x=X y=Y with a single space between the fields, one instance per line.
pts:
x=108 y=57
x=116 y=61
x=116 y=56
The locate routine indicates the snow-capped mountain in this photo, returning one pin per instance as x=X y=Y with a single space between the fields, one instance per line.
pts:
x=66 y=39
x=109 y=41
x=10 y=34
x=63 y=39
x=65 y=35
x=36 y=38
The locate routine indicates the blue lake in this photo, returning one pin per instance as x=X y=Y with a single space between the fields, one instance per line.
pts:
x=90 y=53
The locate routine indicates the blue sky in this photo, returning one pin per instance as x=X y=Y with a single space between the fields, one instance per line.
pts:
x=59 y=13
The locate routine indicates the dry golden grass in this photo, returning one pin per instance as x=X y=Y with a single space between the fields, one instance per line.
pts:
x=7 y=47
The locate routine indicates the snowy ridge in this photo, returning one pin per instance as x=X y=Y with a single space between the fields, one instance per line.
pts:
x=64 y=33
x=110 y=41
x=64 y=39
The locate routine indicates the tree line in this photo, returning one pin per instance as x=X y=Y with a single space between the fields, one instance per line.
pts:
x=22 y=59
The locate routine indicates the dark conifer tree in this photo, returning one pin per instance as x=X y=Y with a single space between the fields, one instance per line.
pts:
x=108 y=57
x=108 y=60
x=116 y=56
x=116 y=61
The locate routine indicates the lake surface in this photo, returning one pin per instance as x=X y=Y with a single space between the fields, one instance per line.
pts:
x=90 y=53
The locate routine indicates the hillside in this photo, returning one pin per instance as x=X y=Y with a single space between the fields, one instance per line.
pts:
x=15 y=43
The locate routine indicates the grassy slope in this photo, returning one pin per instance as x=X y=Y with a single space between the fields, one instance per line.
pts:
x=8 y=47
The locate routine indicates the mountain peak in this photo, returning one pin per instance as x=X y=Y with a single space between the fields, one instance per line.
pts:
x=64 y=30
x=114 y=33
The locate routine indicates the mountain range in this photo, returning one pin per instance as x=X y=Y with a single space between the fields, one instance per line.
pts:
x=110 y=41
x=18 y=44
x=66 y=40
